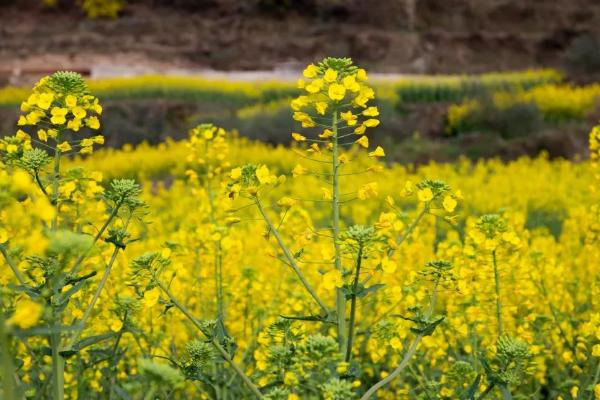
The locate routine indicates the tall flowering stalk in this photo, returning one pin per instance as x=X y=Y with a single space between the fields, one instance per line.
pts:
x=335 y=112
x=496 y=241
x=59 y=109
x=336 y=90
x=208 y=160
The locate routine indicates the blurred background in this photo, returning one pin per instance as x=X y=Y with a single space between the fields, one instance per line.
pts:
x=474 y=78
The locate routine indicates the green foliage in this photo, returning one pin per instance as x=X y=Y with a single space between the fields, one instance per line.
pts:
x=512 y=357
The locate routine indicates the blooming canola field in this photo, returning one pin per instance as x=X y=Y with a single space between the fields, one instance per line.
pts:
x=222 y=268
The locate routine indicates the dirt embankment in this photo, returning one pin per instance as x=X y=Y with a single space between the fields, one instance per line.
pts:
x=409 y=36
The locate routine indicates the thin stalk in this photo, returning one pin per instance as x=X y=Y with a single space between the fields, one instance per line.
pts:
x=353 y=305
x=80 y=259
x=596 y=378
x=409 y=353
x=58 y=365
x=335 y=215
x=58 y=362
x=214 y=342
x=217 y=256
x=40 y=184
x=498 y=300
x=113 y=364
x=554 y=312
x=56 y=181
x=410 y=229
x=8 y=368
x=505 y=392
x=11 y=263
x=219 y=280
x=486 y=392
x=95 y=297
x=150 y=394
x=292 y=261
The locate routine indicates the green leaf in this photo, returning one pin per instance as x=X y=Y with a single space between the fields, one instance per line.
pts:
x=68 y=353
x=62 y=303
x=426 y=329
x=310 y=318
x=360 y=291
x=299 y=253
x=370 y=289
x=32 y=292
x=472 y=390
x=121 y=392
x=76 y=279
x=91 y=340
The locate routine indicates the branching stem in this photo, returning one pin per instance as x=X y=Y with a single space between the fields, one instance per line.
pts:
x=291 y=259
x=409 y=353
x=238 y=370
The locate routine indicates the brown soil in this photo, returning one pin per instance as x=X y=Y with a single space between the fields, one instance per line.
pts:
x=408 y=36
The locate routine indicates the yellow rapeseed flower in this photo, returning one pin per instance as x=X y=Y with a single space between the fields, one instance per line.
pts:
x=336 y=92
x=425 y=195
x=298 y=137
x=311 y=71
x=70 y=100
x=58 y=115
x=363 y=141
x=64 y=147
x=330 y=75
x=449 y=203
x=378 y=152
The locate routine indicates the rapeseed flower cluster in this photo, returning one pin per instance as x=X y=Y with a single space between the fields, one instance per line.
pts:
x=59 y=103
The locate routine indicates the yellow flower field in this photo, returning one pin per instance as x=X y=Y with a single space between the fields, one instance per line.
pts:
x=221 y=268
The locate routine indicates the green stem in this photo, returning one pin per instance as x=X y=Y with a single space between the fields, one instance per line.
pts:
x=409 y=353
x=8 y=369
x=596 y=378
x=40 y=184
x=505 y=392
x=291 y=260
x=353 y=306
x=13 y=266
x=80 y=259
x=58 y=364
x=113 y=361
x=95 y=297
x=553 y=310
x=56 y=181
x=335 y=215
x=410 y=229
x=214 y=341
x=486 y=392
x=150 y=394
x=498 y=300
x=217 y=255
x=219 y=281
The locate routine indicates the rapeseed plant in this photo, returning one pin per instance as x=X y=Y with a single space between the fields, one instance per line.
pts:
x=65 y=260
